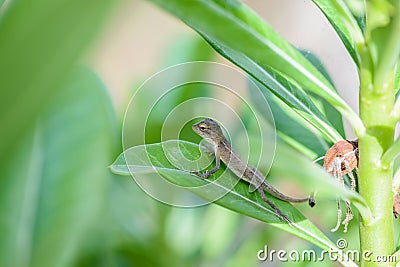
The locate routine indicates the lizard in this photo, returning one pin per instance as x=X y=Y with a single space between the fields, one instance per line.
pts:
x=212 y=133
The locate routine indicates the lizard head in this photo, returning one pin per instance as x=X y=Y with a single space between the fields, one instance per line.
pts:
x=208 y=129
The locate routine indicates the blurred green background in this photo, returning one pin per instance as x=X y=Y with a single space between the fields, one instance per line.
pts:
x=67 y=72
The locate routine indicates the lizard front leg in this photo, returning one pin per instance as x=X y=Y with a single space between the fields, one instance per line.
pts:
x=207 y=174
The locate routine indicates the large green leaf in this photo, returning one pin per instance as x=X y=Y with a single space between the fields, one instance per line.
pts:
x=53 y=193
x=39 y=42
x=332 y=115
x=231 y=24
x=288 y=164
x=345 y=25
x=290 y=128
x=286 y=91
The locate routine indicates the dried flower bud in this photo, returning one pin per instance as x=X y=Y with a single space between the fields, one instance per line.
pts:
x=339 y=160
x=344 y=150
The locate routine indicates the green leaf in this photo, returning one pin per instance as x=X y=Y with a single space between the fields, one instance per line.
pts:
x=342 y=20
x=39 y=42
x=54 y=191
x=397 y=79
x=189 y=49
x=287 y=164
x=361 y=21
x=332 y=115
x=359 y=14
x=183 y=49
x=391 y=153
x=241 y=201
x=288 y=119
x=286 y=91
x=396 y=255
x=290 y=128
x=231 y=24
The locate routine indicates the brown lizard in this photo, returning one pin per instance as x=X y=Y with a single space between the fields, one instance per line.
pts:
x=211 y=132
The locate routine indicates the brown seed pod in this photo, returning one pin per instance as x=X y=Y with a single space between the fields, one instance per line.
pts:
x=396 y=205
x=345 y=150
x=339 y=160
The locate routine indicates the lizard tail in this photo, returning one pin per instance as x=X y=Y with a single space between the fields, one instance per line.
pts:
x=311 y=201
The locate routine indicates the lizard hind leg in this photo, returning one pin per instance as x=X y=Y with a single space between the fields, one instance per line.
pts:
x=255 y=183
x=279 y=213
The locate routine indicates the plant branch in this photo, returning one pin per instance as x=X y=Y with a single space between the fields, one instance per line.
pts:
x=390 y=48
x=375 y=180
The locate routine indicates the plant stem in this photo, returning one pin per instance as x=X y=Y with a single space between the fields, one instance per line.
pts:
x=390 y=54
x=375 y=179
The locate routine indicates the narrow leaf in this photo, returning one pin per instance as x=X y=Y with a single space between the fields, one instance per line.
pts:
x=53 y=191
x=39 y=42
x=290 y=129
x=332 y=115
x=238 y=199
x=287 y=164
x=397 y=79
x=233 y=25
x=391 y=153
x=342 y=20
x=287 y=92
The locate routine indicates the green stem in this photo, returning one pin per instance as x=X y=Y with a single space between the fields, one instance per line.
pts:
x=375 y=179
x=390 y=54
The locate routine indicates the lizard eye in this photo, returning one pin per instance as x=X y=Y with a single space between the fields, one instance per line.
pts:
x=202 y=127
